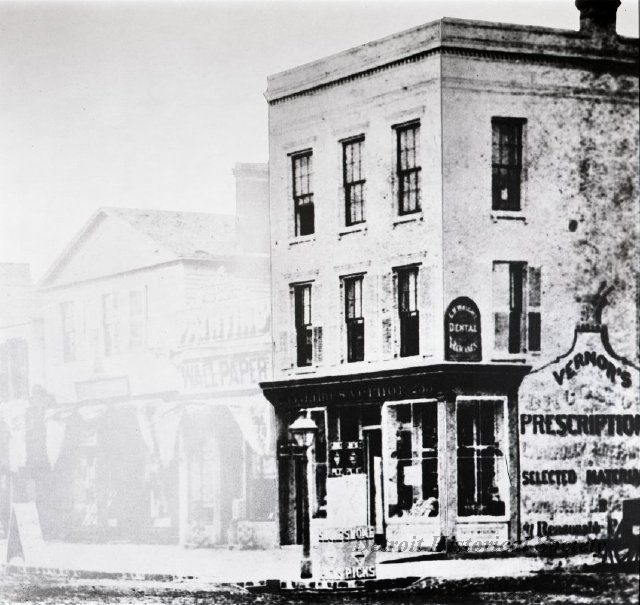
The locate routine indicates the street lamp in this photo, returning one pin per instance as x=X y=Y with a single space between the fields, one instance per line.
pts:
x=303 y=431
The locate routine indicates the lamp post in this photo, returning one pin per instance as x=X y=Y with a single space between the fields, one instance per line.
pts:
x=303 y=431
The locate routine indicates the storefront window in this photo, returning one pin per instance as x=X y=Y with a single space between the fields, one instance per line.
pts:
x=482 y=488
x=412 y=467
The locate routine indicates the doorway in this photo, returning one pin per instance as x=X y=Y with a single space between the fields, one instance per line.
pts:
x=373 y=463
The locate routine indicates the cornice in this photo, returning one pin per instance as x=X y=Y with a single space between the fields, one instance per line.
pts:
x=610 y=64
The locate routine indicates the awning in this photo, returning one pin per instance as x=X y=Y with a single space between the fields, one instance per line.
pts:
x=254 y=416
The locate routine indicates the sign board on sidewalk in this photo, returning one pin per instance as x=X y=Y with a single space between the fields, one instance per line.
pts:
x=25 y=534
x=345 y=553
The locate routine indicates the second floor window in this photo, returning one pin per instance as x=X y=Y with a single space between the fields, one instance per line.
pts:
x=506 y=163
x=354 y=318
x=68 y=331
x=137 y=319
x=408 y=167
x=353 y=175
x=304 y=330
x=14 y=369
x=302 y=167
x=516 y=303
x=109 y=324
x=408 y=310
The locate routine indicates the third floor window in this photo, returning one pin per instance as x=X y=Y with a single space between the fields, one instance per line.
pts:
x=408 y=167
x=506 y=163
x=353 y=176
x=302 y=173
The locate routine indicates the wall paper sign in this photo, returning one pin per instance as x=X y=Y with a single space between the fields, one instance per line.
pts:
x=462 y=331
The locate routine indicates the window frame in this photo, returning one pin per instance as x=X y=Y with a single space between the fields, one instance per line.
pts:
x=503 y=447
x=524 y=309
x=69 y=332
x=408 y=318
x=138 y=320
x=302 y=199
x=418 y=451
x=303 y=324
x=513 y=171
x=109 y=328
x=350 y=184
x=354 y=317
x=408 y=171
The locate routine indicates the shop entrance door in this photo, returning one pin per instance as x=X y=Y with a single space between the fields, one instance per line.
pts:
x=373 y=463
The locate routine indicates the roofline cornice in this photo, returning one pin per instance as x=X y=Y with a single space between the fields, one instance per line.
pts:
x=608 y=64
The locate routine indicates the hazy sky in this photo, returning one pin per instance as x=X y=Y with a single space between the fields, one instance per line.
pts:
x=150 y=104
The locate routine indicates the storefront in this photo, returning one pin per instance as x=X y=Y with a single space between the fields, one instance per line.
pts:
x=427 y=453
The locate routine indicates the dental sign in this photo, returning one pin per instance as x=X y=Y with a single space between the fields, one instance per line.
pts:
x=462 y=331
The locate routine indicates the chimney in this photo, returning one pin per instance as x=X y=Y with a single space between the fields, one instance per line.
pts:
x=252 y=207
x=598 y=17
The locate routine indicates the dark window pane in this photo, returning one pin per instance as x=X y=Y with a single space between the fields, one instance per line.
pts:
x=350 y=423
x=506 y=142
x=353 y=176
x=534 y=331
x=303 y=194
x=409 y=334
x=408 y=169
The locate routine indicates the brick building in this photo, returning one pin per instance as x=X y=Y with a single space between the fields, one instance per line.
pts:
x=443 y=203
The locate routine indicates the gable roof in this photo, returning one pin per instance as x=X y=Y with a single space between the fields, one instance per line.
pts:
x=186 y=234
x=181 y=235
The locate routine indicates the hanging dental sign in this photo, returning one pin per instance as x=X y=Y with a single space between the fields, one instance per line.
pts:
x=462 y=331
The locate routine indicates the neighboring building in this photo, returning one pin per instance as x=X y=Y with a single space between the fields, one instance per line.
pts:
x=156 y=333
x=443 y=201
x=19 y=366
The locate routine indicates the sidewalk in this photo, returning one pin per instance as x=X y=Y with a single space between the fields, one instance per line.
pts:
x=222 y=566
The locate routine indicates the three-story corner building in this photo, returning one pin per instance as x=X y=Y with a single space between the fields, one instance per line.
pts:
x=442 y=202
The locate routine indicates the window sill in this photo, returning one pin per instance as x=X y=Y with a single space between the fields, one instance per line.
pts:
x=508 y=215
x=302 y=239
x=357 y=228
x=509 y=358
x=408 y=218
x=303 y=370
x=483 y=519
x=405 y=520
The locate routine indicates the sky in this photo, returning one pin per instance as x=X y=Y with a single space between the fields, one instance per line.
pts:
x=151 y=104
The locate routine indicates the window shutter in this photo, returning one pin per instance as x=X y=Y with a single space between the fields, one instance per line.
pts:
x=386 y=304
x=425 y=308
x=283 y=353
x=534 y=330
x=370 y=311
x=317 y=344
x=501 y=301
x=19 y=368
x=4 y=372
x=342 y=330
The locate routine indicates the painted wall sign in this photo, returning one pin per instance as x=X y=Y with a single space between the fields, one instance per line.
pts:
x=224 y=372
x=579 y=442
x=462 y=331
